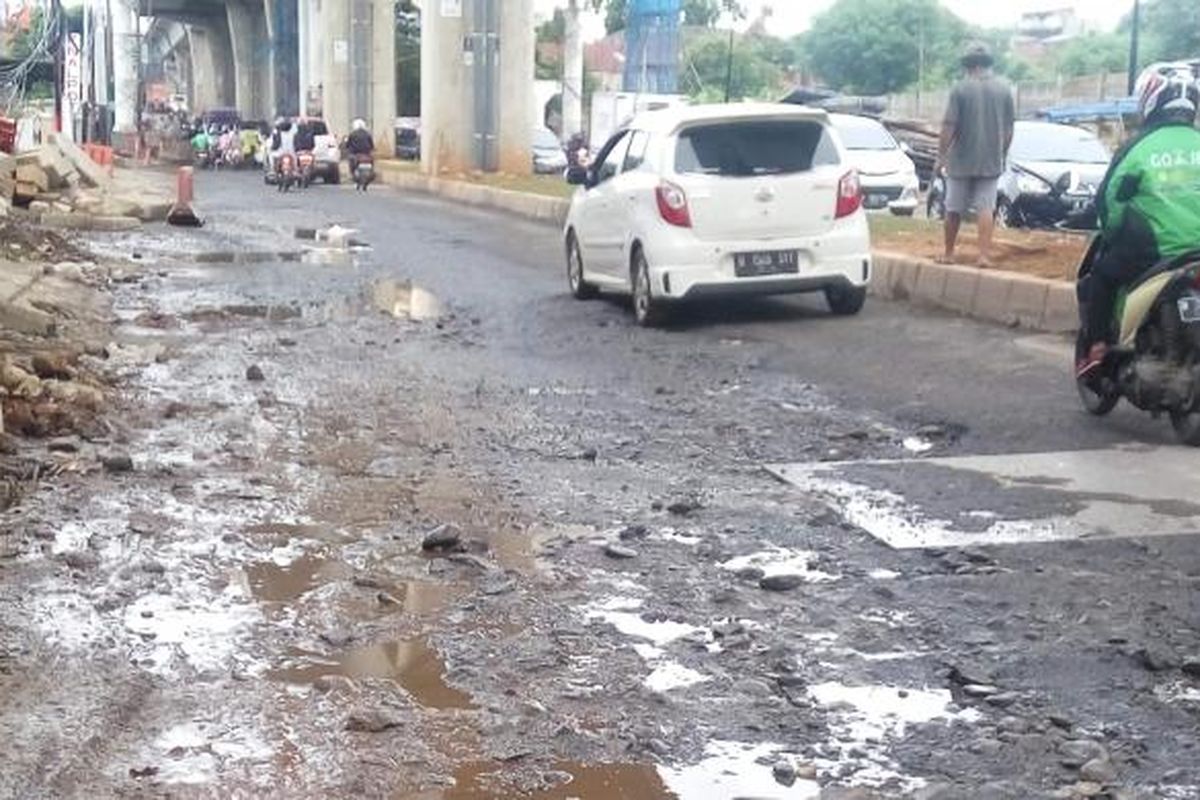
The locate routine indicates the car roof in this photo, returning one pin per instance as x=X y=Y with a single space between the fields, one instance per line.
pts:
x=669 y=120
x=855 y=119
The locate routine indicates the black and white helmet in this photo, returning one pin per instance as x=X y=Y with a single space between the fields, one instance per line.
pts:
x=1168 y=91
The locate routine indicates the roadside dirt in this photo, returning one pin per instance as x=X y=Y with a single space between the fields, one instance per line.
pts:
x=1042 y=254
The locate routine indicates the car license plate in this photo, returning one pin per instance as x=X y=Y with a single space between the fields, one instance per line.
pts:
x=1189 y=308
x=877 y=200
x=769 y=262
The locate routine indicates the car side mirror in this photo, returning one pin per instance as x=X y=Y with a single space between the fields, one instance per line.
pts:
x=1063 y=183
x=577 y=176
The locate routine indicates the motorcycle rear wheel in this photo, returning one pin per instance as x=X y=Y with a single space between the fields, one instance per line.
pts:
x=1187 y=427
x=1096 y=402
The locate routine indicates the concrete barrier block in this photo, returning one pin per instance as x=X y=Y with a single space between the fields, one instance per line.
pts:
x=961 y=285
x=1027 y=301
x=991 y=297
x=931 y=284
x=881 y=272
x=905 y=274
x=1062 y=309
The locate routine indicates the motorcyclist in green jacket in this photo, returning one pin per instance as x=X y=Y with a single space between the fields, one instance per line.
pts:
x=1149 y=203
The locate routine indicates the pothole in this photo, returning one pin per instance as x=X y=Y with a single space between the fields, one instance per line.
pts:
x=403 y=300
x=413 y=664
x=283 y=583
x=483 y=781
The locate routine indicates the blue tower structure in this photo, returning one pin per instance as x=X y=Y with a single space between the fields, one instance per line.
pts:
x=652 y=47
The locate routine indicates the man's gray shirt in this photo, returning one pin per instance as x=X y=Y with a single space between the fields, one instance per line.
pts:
x=981 y=112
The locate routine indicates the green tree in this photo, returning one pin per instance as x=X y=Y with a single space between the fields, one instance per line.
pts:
x=1093 y=53
x=1170 y=31
x=552 y=31
x=875 y=46
x=757 y=67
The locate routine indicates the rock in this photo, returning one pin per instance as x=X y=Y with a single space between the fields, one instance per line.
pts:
x=1077 y=752
x=750 y=573
x=784 y=772
x=780 y=583
x=143 y=772
x=117 y=464
x=56 y=366
x=682 y=508
x=980 y=690
x=1099 y=770
x=806 y=772
x=1086 y=789
x=63 y=445
x=81 y=560
x=337 y=638
x=364 y=581
x=443 y=537
x=965 y=675
x=632 y=532
x=255 y=374
x=1003 y=700
x=1157 y=659
x=614 y=550
x=1060 y=722
x=387 y=600
x=1191 y=667
x=152 y=567
x=589 y=454
x=372 y=721
x=932 y=431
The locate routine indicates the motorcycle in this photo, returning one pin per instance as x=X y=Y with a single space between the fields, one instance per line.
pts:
x=287 y=176
x=305 y=161
x=1053 y=208
x=364 y=173
x=1155 y=364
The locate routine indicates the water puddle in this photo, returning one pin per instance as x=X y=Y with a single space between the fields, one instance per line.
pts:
x=622 y=614
x=414 y=665
x=668 y=675
x=781 y=561
x=403 y=300
x=270 y=582
x=285 y=531
x=188 y=754
x=231 y=312
x=483 y=781
x=729 y=771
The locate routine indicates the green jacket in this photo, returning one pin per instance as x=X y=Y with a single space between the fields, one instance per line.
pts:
x=1152 y=190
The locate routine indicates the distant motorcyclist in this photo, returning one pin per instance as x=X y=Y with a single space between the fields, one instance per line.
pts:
x=1149 y=202
x=359 y=143
x=283 y=141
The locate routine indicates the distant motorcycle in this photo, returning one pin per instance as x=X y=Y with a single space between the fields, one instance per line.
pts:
x=305 y=161
x=364 y=173
x=1056 y=207
x=287 y=175
x=1156 y=362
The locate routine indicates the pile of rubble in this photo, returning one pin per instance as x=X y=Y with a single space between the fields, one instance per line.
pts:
x=60 y=186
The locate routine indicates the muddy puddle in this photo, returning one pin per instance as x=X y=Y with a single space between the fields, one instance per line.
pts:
x=482 y=781
x=283 y=583
x=285 y=531
x=413 y=665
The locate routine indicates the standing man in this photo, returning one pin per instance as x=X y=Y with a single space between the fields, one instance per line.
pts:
x=976 y=134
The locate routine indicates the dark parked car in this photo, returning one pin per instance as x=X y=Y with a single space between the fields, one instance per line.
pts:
x=408 y=139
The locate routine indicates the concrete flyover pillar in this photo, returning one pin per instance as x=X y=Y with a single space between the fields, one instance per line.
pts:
x=126 y=54
x=205 y=80
x=455 y=107
x=518 y=103
x=358 y=66
x=242 y=29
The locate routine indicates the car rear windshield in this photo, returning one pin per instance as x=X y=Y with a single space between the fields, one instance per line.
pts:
x=318 y=128
x=1057 y=143
x=746 y=149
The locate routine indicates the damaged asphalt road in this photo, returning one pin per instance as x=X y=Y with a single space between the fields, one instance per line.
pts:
x=409 y=522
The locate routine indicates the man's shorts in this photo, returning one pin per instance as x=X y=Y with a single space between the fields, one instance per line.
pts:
x=965 y=194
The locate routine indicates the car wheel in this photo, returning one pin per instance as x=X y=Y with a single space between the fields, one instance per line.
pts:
x=846 y=301
x=646 y=310
x=580 y=289
x=1187 y=427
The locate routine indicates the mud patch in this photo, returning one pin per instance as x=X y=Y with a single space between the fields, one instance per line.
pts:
x=270 y=582
x=484 y=781
x=413 y=665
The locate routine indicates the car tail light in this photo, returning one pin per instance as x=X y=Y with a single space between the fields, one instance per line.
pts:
x=1196 y=277
x=849 y=197
x=673 y=205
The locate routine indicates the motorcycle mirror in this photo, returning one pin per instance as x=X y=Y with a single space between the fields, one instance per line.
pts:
x=1063 y=183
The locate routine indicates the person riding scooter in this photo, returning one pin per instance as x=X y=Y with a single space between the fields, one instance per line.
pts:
x=359 y=143
x=283 y=142
x=1149 y=202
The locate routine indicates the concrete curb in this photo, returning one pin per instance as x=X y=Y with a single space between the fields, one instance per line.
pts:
x=530 y=206
x=992 y=295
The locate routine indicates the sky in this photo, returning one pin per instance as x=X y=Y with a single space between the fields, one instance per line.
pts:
x=794 y=16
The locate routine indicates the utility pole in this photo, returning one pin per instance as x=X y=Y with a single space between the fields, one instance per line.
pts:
x=729 y=66
x=60 y=41
x=1134 y=34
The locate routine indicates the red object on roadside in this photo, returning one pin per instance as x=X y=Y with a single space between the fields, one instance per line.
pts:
x=181 y=213
x=8 y=135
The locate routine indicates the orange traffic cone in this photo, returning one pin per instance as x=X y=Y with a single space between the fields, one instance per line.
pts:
x=181 y=213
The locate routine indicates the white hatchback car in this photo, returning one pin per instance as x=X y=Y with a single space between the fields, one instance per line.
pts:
x=699 y=201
